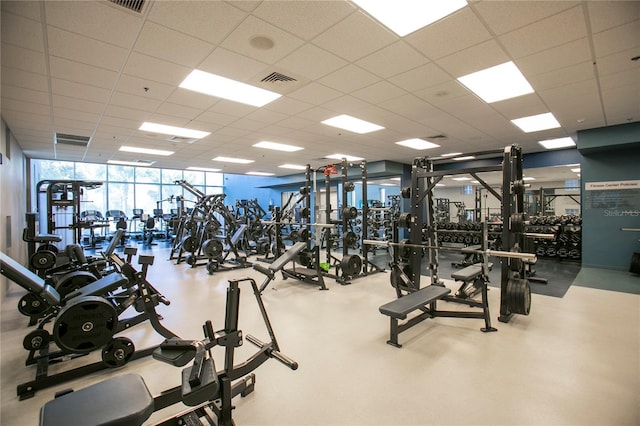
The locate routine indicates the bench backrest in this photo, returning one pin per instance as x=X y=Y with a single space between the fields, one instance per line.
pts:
x=27 y=279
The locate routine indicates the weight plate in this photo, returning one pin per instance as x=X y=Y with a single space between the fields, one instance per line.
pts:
x=32 y=305
x=304 y=213
x=349 y=212
x=213 y=248
x=85 y=324
x=305 y=258
x=73 y=281
x=118 y=352
x=263 y=248
x=517 y=222
x=36 y=339
x=304 y=234
x=351 y=264
x=43 y=260
x=191 y=260
x=404 y=220
x=518 y=296
x=406 y=192
x=211 y=226
x=294 y=236
x=304 y=190
x=212 y=267
x=48 y=247
x=349 y=186
x=350 y=239
x=190 y=244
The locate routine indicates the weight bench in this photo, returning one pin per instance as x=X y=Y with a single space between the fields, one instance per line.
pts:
x=124 y=400
x=399 y=309
x=469 y=278
x=280 y=262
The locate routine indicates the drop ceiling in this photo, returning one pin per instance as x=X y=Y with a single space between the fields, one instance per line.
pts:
x=96 y=69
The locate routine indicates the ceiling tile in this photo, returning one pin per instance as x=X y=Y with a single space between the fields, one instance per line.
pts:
x=608 y=14
x=81 y=73
x=240 y=41
x=77 y=104
x=75 y=90
x=216 y=118
x=287 y=105
x=192 y=99
x=621 y=104
x=457 y=31
x=64 y=44
x=349 y=78
x=348 y=105
x=550 y=32
x=146 y=67
x=173 y=46
x=393 y=59
x=355 y=37
x=128 y=113
x=27 y=9
x=232 y=65
x=136 y=86
x=27 y=95
x=562 y=76
x=315 y=94
x=305 y=19
x=506 y=16
x=210 y=21
x=97 y=20
x=23 y=59
x=21 y=32
x=25 y=79
x=379 y=92
x=617 y=39
x=132 y=101
x=168 y=108
x=311 y=62
x=617 y=62
x=475 y=58
x=419 y=78
x=558 y=57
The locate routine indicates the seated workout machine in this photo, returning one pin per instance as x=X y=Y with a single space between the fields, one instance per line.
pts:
x=126 y=400
x=298 y=250
x=86 y=320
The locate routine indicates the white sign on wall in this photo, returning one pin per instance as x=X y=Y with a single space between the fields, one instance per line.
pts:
x=612 y=185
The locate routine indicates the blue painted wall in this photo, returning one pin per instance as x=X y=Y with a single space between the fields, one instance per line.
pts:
x=243 y=187
x=605 y=212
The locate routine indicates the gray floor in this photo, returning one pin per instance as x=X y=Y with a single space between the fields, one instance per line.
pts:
x=574 y=361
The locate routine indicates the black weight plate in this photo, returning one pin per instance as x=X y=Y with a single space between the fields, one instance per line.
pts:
x=406 y=192
x=294 y=236
x=212 y=267
x=349 y=212
x=304 y=234
x=42 y=260
x=213 y=248
x=36 y=339
x=191 y=260
x=73 y=281
x=304 y=213
x=519 y=296
x=349 y=186
x=211 y=226
x=48 y=247
x=32 y=305
x=118 y=352
x=190 y=244
x=351 y=264
x=350 y=239
x=85 y=324
x=404 y=220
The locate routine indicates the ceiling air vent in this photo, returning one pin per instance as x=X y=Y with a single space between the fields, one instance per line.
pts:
x=180 y=139
x=276 y=77
x=436 y=137
x=135 y=5
x=75 y=140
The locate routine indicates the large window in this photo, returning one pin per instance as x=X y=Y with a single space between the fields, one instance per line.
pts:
x=126 y=188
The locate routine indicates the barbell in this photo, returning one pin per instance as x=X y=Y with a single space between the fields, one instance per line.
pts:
x=496 y=253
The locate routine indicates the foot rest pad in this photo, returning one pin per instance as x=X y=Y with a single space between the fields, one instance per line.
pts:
x=399 y=308
x=119 y=401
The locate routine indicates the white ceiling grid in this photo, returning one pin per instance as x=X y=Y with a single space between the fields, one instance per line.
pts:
x=96 y=69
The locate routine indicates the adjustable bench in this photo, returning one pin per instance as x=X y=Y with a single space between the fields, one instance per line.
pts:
x=399 y=309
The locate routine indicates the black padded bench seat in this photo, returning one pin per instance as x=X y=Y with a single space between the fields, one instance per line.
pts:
x=470 y=272
x=287 y=256
x=399 y=308
x=122 y=400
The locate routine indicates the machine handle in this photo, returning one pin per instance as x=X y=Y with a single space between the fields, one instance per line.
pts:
x=273 y=353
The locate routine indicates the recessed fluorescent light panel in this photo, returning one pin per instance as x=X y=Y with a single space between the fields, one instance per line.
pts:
x=406 y=16
x=352 y=124
x=173 y=131
x=232 y=160
x=535 y=123
x=203 y=169
x=528 y=178
x=222 y=87
x=467 y=157
x=341 y=156
x=277 y=146
x=557 y=143
x=260 y=174
x=131 y=163
x=417 y=144
x=497 y=83
x=461 y=178
x=145 y=150
x=293 y=167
